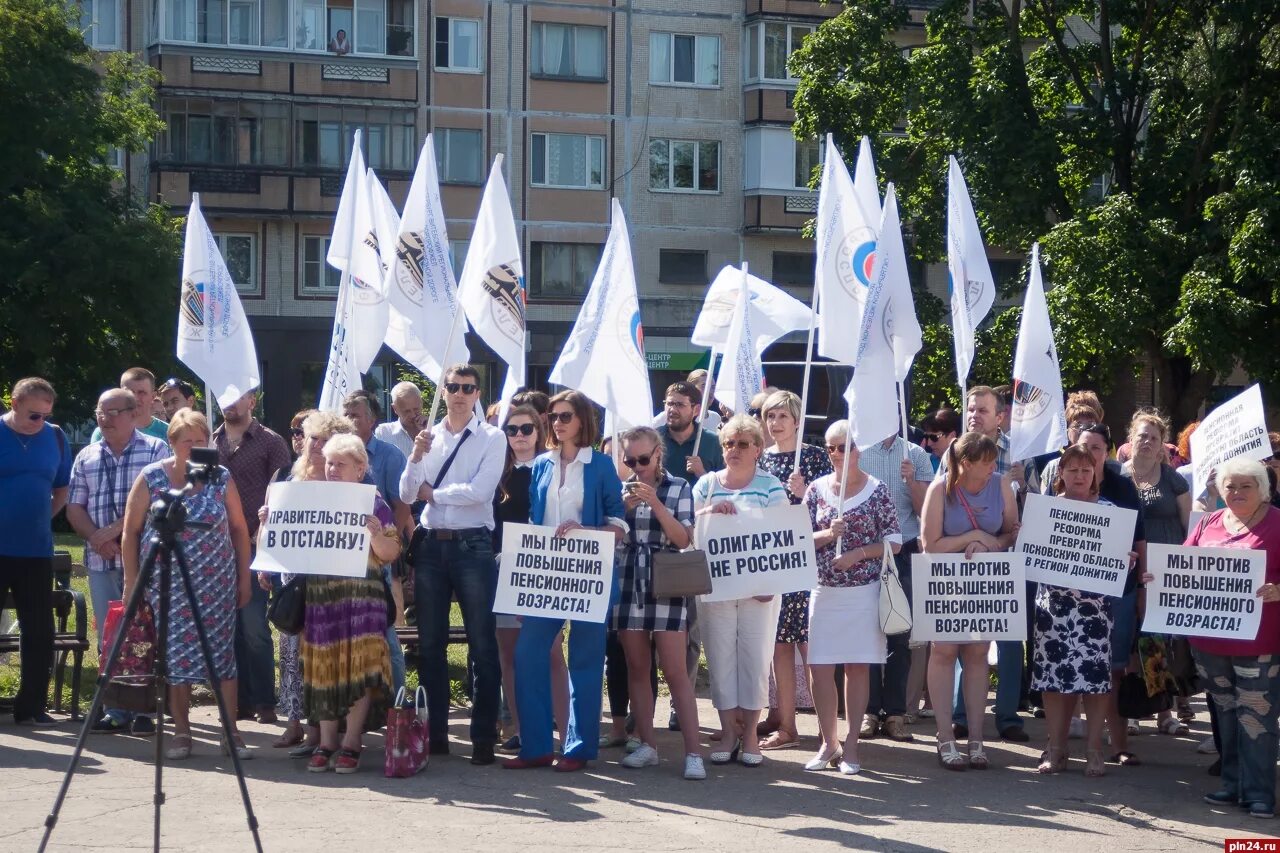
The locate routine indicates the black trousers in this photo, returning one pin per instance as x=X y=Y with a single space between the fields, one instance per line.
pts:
x=30 y=579
x=617 y=678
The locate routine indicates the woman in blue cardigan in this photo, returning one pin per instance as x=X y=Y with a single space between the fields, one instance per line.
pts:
x=573 y=488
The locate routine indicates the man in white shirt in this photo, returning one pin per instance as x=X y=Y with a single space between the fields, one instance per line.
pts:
x=455 y=468
x=406 y=402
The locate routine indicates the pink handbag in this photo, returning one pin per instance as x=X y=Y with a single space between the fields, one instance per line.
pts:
x=406 y=736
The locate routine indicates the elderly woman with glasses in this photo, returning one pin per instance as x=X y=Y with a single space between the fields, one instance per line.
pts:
x=738 y=635
x=854 y=520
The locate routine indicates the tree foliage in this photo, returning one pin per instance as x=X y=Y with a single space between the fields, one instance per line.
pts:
x=87 y=272
x=1135 y=139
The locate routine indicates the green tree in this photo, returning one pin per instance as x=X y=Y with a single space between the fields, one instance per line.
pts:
x=1135 y=139
x=88 y=273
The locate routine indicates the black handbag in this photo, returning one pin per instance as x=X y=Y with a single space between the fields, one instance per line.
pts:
x=680 y=574
x=288 y=607
x=1135 y=702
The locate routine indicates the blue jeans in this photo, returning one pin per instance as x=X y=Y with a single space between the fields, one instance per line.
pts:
x=255 y=654
x=888 y=694
x=1009 y=673
x=1246 y=692
x=393 y=644
x=533 y=686
x=464 y=567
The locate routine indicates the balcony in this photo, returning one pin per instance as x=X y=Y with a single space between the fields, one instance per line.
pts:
x=381 y=29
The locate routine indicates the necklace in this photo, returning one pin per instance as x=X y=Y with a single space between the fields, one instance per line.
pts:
x=1243 y=524
x=24 y=444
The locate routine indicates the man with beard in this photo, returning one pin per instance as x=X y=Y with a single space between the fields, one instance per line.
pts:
x=683 y=405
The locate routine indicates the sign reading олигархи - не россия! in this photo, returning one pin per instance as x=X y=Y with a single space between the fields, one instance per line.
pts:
x=758 y=552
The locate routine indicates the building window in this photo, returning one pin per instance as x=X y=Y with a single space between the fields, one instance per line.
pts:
x=224 y=133
x=769 y=46
x=458 y=155
x=317 y=276
x=808 y=159
x=458 y=255
x=562 y=270
x=682 y=266
x=240 y=252
x=567 y=160
x=684 y=166
x=457 y=44
x=324 y=135
x=684 y=59
x=563 y=50
x=793 y=268
x=100 y=22
x=358 y=27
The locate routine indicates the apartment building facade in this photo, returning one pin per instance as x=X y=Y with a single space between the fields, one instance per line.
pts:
x=681 y=111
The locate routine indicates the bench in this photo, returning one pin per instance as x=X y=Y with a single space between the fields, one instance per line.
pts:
x=67 y=643
x=408 y=637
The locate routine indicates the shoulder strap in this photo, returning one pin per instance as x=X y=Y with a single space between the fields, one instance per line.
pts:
x=64 y=447
x=448 y=463
x=964 y=502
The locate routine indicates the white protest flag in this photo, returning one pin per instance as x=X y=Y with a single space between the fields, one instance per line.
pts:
x=972 y=287
x=603 y=356
x=890 y=337
x=846 y=230
x=386 y=226
x=214 y=339
x=774 y=312
x=741 y=374
x=491 y=287
x=342 y=374
x=1038 y=420
x=422 y=289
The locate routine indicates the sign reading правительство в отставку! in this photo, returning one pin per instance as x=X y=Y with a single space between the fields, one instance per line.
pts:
x=1076 y=544
x=560 y=577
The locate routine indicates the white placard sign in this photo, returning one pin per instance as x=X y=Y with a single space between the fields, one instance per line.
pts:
x=1076 y=544
x=959 y=600
x=1204 y=592
x=758 y=552
x=1236 y=428
x=569 y=577
x=315 y=527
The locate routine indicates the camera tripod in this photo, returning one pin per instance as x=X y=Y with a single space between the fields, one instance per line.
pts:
x=168 y=519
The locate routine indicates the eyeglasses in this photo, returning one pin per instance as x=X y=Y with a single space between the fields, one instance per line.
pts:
x=112 y=413
x=1082 y=427
x=296 y=432
x=931 y=436
x=562 y=417
x=519 y=429
x=740 y=444
x=641 y=461
x=464 y=387
x=675 y=404
x=833 y=449
x=38 y=416
x=753 y=412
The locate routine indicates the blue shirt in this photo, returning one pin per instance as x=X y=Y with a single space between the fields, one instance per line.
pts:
x=386 y=464
x=31 y=467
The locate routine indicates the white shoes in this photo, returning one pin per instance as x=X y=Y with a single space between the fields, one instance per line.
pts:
x=693 y=768
x=1206 y=747
x=825 y=759
x=847 y=769
x=644 y=756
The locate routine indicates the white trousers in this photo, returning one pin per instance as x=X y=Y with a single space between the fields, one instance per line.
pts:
x=738 y=637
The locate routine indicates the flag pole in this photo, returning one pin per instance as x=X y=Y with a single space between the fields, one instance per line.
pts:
x=208 y=412
x=844 y=480
x=902 y=407
x=706 y=400
x=444 y=371
x=804 y=384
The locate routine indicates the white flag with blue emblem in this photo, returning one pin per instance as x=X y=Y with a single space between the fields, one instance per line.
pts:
x=846 y=232
x=491 y=287
x=1038 y=419
x=214 y=339
x=972 y=287
x=774 y=312
x=890 y=334
x=603 y=356
x=342 y=373
x=741 y=374
x=422 y=288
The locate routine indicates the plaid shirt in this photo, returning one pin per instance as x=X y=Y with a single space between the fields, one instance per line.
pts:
x=100 y=482
x=1003 y=463
x=885 y=464
x=646 y=533
x=260 y=454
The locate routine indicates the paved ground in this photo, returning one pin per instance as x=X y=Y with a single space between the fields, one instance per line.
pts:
x=902 y=801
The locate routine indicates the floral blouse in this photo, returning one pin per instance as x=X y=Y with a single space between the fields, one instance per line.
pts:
x=813 y=464
x=869 y=518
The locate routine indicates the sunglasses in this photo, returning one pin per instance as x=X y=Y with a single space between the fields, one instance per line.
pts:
x=932 y=436
x=296 y=432
x=753 y=412
x=109 y=413
x=634 y=461
x=562 y=417
x=519 y=429
x=464 y=387
x=740 y=444
x=833 y=449
x=39 y=416
x=1082 y=427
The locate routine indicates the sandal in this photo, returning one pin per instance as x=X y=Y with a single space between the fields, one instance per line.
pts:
x=949 y=756
x=977 y=756
x=288 y=738
x=242 y=752
x=348 y=761
x=181 y=749
x=1124 y=759
x=781 y=739
x=303 y=750
x=766 y=727
x=320 y=760
x=611 y=741
x=1052 y=761
x=1172 y=726
x=1095 y=764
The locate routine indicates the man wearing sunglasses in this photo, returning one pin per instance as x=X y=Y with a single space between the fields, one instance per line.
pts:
x=101 y=476
x=35 y=469
x=455 y=467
